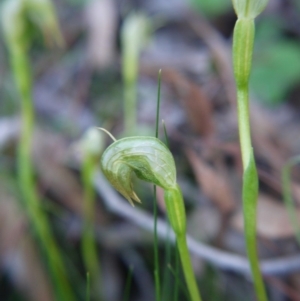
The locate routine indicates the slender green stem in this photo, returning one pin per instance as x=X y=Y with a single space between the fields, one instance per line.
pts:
x=89 y=248
x=128 y=285
x=155 y=246
x=38 y=218
x=88 y=287
x=166 y=276
x=187 y=267
x=181 y=285
x=242 y=58
x=244 y=125
x=177 y=217
x=176 y=288
x=155 y=250
x=249 y=200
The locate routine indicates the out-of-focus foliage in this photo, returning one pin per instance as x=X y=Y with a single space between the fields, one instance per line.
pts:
x=276 y=67
x=212 y=8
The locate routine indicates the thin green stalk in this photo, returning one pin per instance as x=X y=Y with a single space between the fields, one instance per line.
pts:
x=287 y=194
x=27 y=184
x=88 y=287
x=176 y=271
x=166 y=276
x=244 y=125
x=134 y=34
x=14 y=15
x=128 y=285
x=88 y=246
x=187 y=267
x=176 y=213
x=180 y=284
x=243 y=40
x=155 y=246
x=155 y=249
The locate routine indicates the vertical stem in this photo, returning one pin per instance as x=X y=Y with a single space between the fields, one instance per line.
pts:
x=244 y=124
x=187 y=267
x=89 y=248
x=177 y=217
x=155 y=246
x=38 y=219
x=155 y=250
x=242 y=58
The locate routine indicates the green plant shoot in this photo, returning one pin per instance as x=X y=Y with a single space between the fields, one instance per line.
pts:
x=91 y=145
x=151 y=161
x=15 y=16
x=243 y=39
x=134 y=35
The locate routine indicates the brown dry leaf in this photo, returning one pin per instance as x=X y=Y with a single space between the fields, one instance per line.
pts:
x=272 y=219
x=194 y=101
x=213 y=184
x=18 y=255
x=101 y=18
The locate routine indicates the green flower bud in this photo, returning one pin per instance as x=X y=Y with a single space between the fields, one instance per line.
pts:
x=249 y=9
x=92 y=143
x=147 y=157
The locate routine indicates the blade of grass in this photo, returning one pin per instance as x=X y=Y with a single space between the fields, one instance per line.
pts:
x=156 y=260
x=88 y=293
x=166 y=279
x=180 y=283
x=176 y=288
x=128 y=284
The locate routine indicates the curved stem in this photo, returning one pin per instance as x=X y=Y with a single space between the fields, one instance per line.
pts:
x=187 y=267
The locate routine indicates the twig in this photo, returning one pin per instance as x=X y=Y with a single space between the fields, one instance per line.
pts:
x=219 y=258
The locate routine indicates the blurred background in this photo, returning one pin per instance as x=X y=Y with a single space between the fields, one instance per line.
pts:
x=105 y=75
